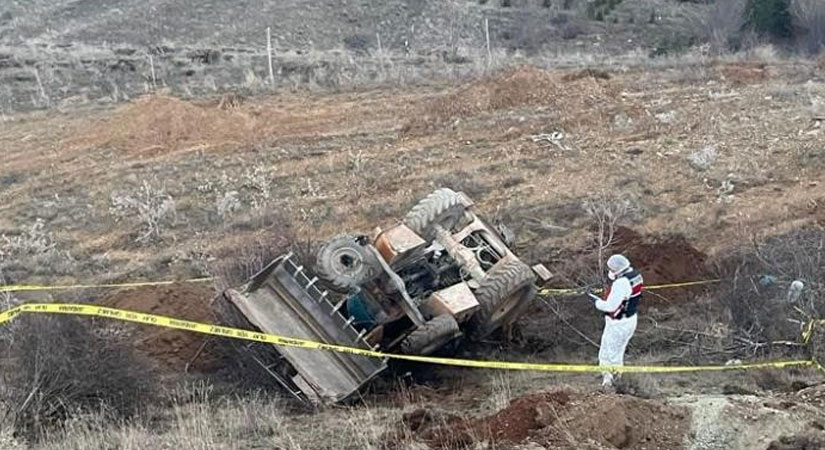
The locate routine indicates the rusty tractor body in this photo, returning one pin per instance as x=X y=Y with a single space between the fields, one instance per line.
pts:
x=414 y=288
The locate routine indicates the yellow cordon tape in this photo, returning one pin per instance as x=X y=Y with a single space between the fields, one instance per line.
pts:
x=548 y=291
x=37 y=287
x=235 y=333
x=66 y=287
x=809 y=329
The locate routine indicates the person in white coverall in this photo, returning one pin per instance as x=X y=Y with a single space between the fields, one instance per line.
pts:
x=620 y=306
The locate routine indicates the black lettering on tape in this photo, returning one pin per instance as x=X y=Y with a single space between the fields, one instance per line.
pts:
x=183 y=324
x=110 y=312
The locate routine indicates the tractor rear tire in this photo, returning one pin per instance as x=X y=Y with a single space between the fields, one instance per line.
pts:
x=344 y=263
x=431 y=336
x=442 y=207
x=503 y=295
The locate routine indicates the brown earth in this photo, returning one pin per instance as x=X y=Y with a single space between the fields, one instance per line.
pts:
x=339 y=162
x=520 y=87
x=171 y=349
x=662 y=260
x=556 y=419
x=744 y=73
x=155 y=125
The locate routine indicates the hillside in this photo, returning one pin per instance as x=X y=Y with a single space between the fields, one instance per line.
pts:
x=145 y=141
x=69 y=53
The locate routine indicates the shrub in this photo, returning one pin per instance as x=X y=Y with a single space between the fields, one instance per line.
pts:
x=150 y=205
x=809 y=15
x=758 y=278
x=599 y=9
x=672 y=45
x=358 y=42
x=571 y=31
x=770 y=17
x=33 y=250
x=55 y=368
x=723 y=24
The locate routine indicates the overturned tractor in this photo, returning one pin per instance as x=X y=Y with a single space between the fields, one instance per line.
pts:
x=415 y=288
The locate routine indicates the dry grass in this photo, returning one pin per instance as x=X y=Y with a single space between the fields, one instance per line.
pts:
x=330 y=163
x=201 y=420
x=58 y=368
x=334 y=163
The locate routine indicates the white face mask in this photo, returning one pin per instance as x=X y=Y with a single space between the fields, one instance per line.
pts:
x=611 y=275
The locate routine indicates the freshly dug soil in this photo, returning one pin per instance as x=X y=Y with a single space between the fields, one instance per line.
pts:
x=661 y=260
x=559 y=419
x=171 y=349
x=519 y=87
x=617 y=421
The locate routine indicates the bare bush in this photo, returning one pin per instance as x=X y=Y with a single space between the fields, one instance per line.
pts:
x=34 y=249
x=150 y=205
x=757 y=294
x=258 y=182
x=226 y=204
x=572 y=31
x=809 y=15
x=233 y=266
x=723 y=23
x=607 y=212
x=54 y=368
x=34 y=240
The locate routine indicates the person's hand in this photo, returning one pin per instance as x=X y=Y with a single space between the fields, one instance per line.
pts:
x=588 y=291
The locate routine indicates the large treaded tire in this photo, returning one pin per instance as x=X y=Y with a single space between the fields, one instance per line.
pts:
x=503 y=295
x=431 y=336
x=344 y=263
x=442 y=207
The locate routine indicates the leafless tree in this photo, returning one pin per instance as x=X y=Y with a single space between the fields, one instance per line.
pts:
x=606 y=211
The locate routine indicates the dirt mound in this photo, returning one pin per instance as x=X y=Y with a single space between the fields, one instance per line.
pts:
x=662 y=259
x=171 y=349
x=620 y=422
x=563 y=418
x=158 y=124
x=522 y=86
